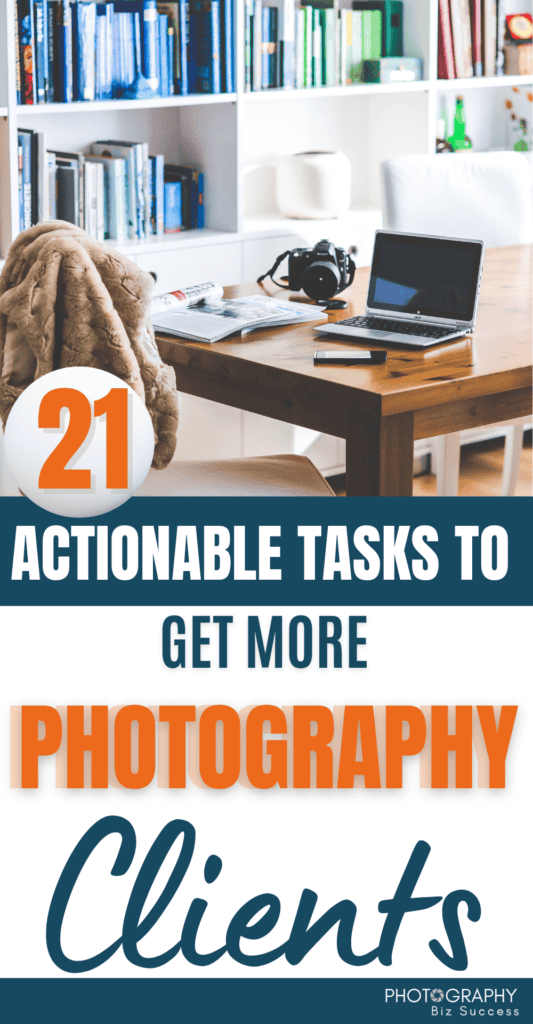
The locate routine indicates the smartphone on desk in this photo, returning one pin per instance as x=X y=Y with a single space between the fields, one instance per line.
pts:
x=340 y=357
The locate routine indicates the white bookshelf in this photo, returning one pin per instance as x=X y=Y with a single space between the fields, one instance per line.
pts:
x=236 y=140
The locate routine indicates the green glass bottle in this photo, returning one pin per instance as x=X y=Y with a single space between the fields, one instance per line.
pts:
x=459 y=139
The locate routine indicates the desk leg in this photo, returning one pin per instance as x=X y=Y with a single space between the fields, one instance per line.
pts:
x=379 y=456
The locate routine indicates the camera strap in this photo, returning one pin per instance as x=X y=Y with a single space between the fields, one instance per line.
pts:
x=270 y=273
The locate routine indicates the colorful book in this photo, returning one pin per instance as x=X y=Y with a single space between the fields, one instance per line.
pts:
x=490 y=33
x=248 y=44
x=150 y=65
x=286 y=50
x=27 y=51
x=446 y=61
x=114 y=185
x=65 y=52
x=51 y=213
x=126 y=153
x=84 y=47
x=316 y=69
x=18 y=75
x=371 y=34
x=226 y=46
x=162 y=22
x=40 y=18
x=477 y=49
x=157 y=194
x=173 y=202
x=25 y=177
x=299 y=49
x=204 y=45
x=257 y=46
x=51 y=45
x=391 y=24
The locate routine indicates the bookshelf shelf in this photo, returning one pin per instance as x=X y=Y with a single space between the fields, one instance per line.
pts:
x=181 y=240
x=335 y=91
x=103 y=106
x=498 y=81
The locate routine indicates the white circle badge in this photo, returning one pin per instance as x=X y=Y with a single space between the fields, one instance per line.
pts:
x=79 y=442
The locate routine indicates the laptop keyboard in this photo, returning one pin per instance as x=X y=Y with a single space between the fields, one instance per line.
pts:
x=398 y=326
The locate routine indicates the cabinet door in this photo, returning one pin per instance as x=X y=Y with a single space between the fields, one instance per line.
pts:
x=180 y=267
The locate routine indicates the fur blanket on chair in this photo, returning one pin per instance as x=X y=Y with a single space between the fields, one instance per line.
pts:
x=67 y=300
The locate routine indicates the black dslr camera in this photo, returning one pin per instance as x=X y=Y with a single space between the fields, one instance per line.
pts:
x=321 y=272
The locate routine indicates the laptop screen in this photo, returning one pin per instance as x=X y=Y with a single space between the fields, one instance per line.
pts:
x=424 y=276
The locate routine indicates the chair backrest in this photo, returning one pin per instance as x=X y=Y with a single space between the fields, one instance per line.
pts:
x=464 y=195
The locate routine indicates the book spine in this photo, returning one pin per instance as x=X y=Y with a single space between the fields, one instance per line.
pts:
x=457 y=33
x=149 y=33
x=163 y=54
x=257 y=40
x=171 y=56
x=34 y=178
x=248 y=29
x=121 y=200
x=214 y=37
x=20 y=154
x=287 y=44
x=200 y=216
x=100 y=202
x=356 y=65
x=477 y=60
x=183 y=25
x=323 y=54
x=500 y=37
x=299 y=32
x=51 y=212
x=160 y=193
x=467 y=39
x=173 y=206
x=84 y=36
x=51 y=47
x=489 y=37
x=27 y=51
x=17 y=55
x=316 y=66
x=308 y=43
x=41 y=180
x=25 y=145
x=343 y=33
x=375 y=34
x=265 y=40
x=228 y=84
x=446 y=68
x=331 y=46
x=137 y=46
x=273 y=64
x=41 y=53
x=392 y=29
x=66 y=53
x=99 y=75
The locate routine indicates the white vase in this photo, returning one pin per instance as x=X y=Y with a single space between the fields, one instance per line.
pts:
x=313 y=185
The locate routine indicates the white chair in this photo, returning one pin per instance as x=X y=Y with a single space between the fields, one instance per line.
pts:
x=467 y=195
x=280 y=476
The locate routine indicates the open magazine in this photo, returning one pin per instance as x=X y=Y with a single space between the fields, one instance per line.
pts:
x=201 y=314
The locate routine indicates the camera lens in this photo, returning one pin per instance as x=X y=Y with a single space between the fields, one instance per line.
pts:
x=320 y=280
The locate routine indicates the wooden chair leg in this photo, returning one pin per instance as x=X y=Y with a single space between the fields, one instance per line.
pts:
x=446 y=455
x=511 y=463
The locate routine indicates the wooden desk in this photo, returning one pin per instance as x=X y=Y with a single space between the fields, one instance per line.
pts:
x=380 y=410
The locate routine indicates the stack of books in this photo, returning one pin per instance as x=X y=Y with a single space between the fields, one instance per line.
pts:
x=471 y=38
x=115 y=191
x=319 y=44
x=84 y=51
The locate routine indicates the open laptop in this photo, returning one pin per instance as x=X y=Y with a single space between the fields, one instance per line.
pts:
x=423 y=290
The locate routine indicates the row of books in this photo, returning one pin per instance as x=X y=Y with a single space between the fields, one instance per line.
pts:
x=308 y=46
x=115 y=191
x=85 y=51
x=471 y=36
